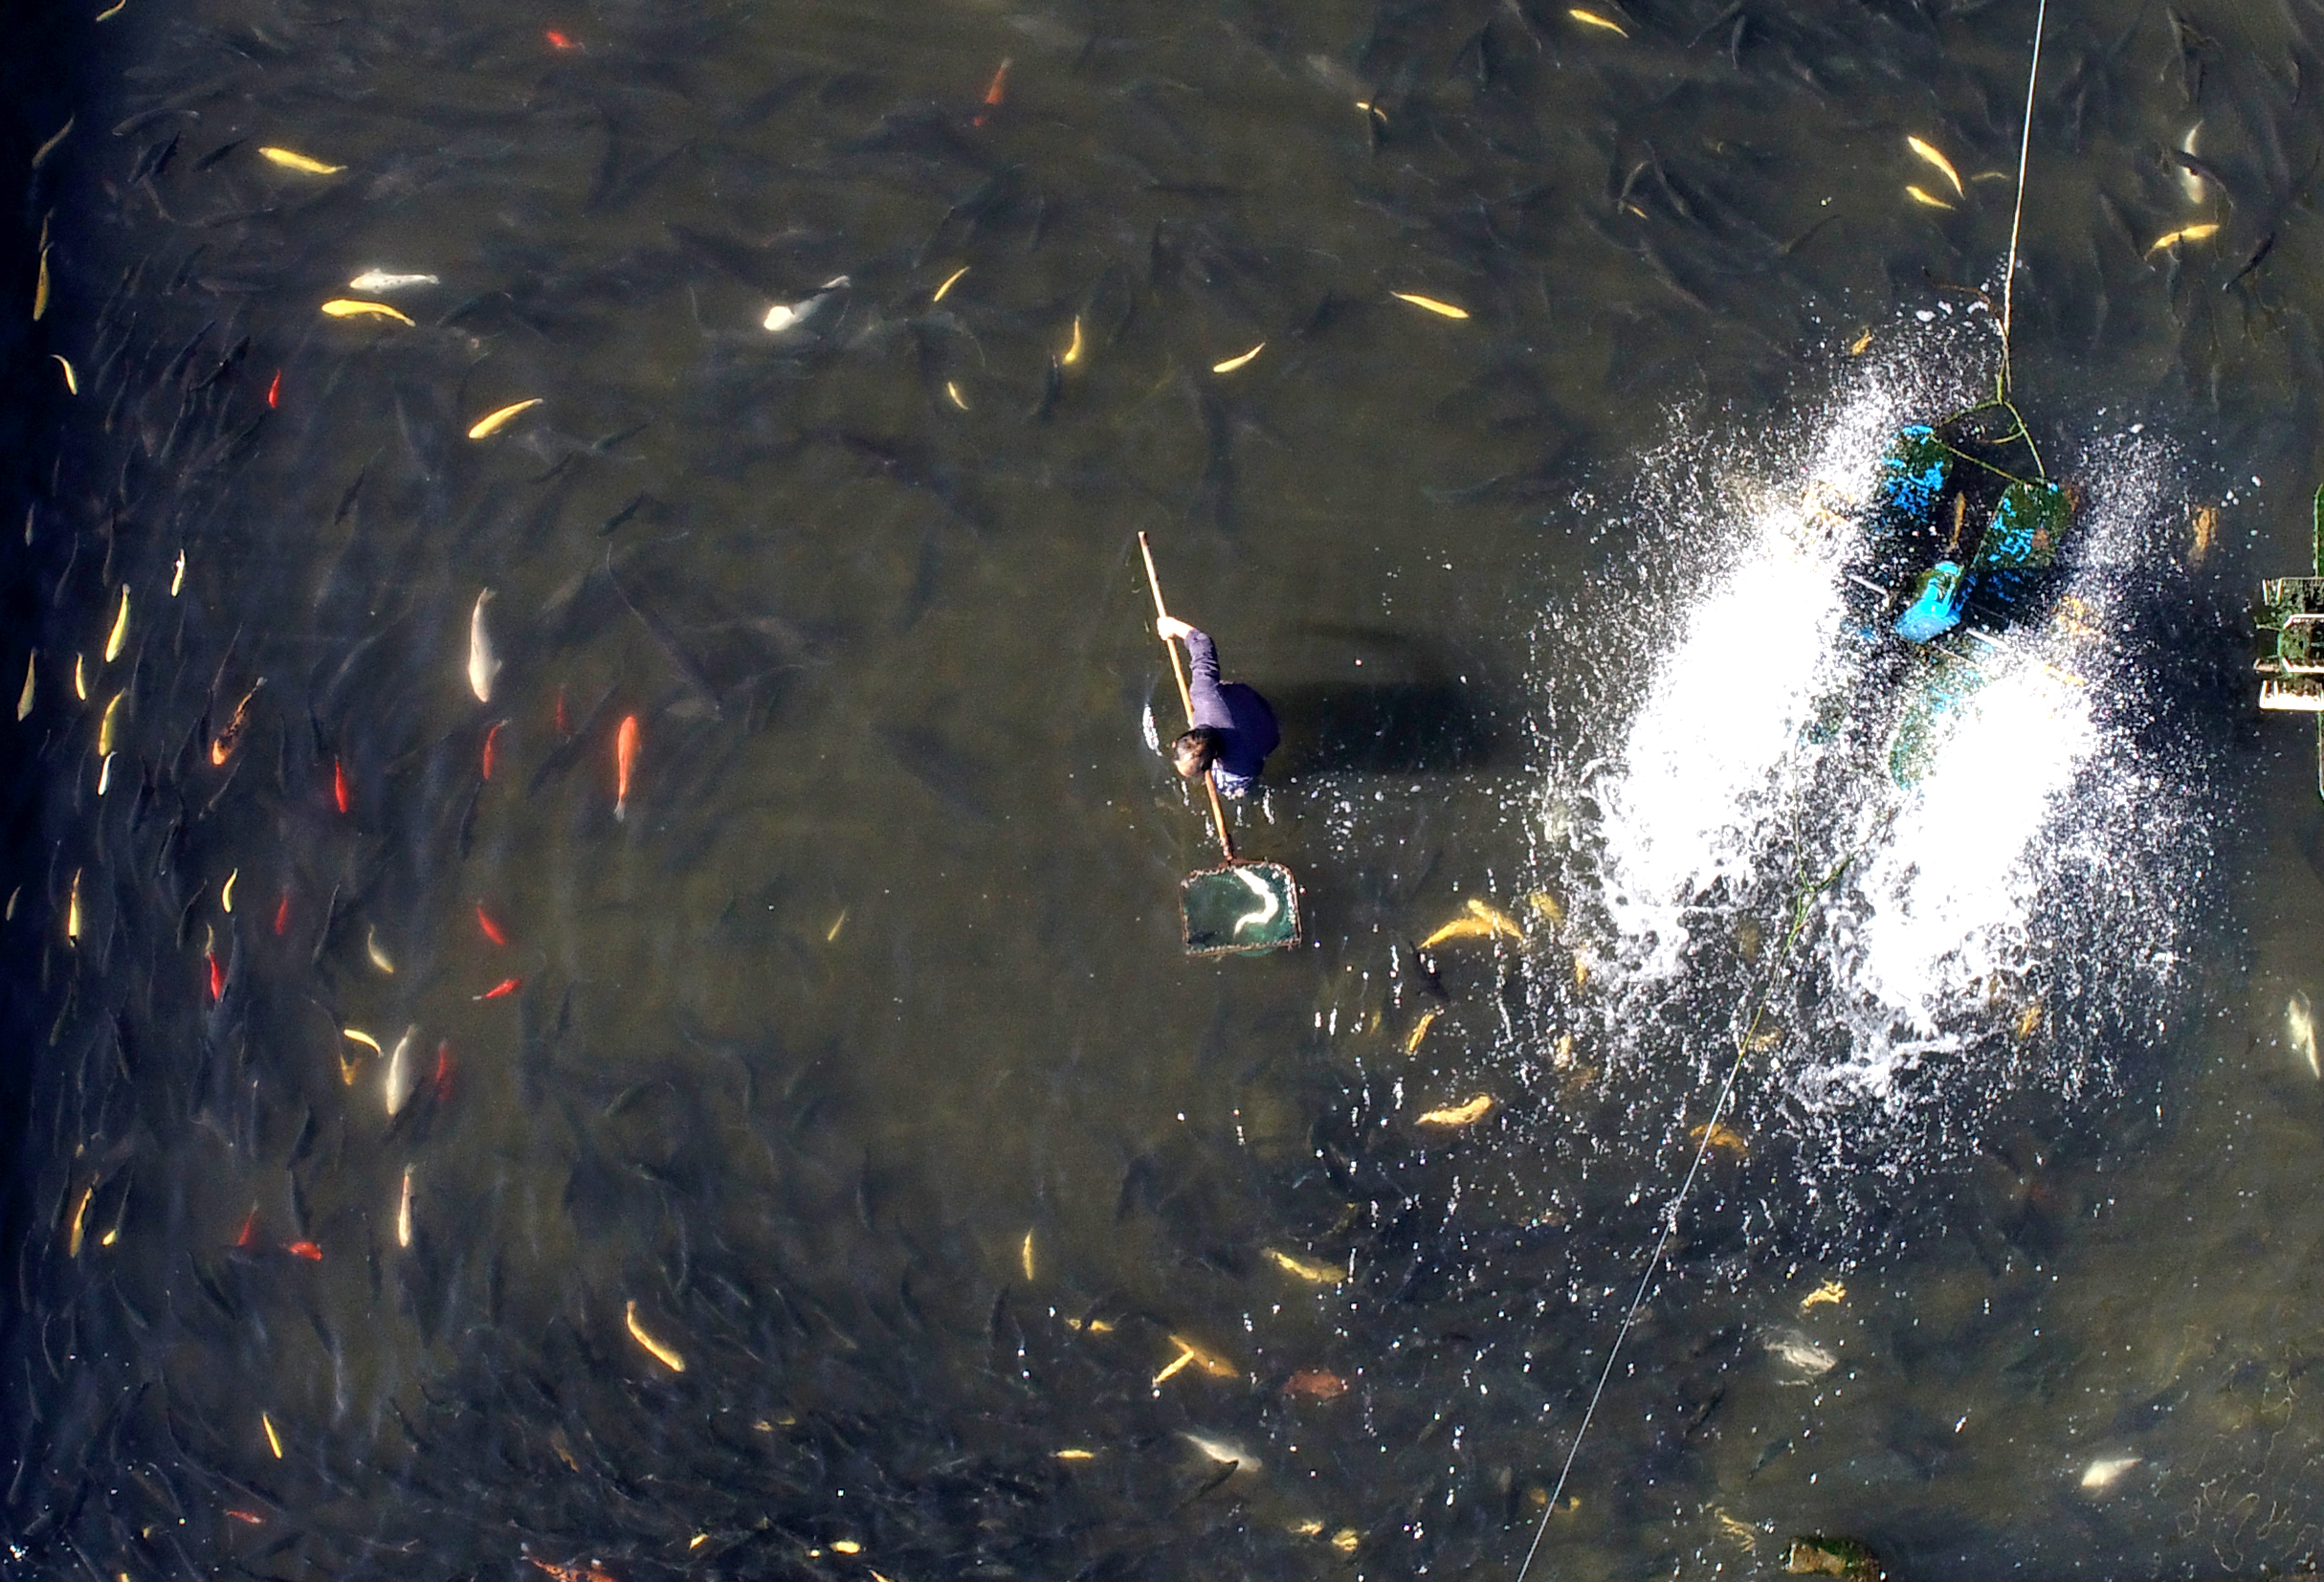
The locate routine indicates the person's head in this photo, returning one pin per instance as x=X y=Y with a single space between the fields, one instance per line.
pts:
x=1194 y=752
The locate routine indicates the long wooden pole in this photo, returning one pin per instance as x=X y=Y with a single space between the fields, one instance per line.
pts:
x=1185 y=695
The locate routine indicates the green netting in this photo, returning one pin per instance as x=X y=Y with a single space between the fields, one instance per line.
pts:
x=1242 y=908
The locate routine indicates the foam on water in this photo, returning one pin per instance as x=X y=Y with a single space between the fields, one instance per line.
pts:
x=1965 y=943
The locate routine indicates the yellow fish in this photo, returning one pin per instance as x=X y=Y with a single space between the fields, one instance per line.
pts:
x=1432 y=305
x=81 y=1214
x=1420 y=1031
x=1026 y=1254
x=1460 y=927
x=1945 y=166
x=1072 y=354
x=1459 y=1115
x=347 y=307
x=1591 y=19
x=1233 y=363
x=1493 y=918
x=1719 y=1135
x=661 y=1353
x=104 y=727
x=2184 y=233
x=1862 y=343
x=71 y=380
x=952 y=393
x=1306 y=1268
x=1926 y=199
x=24 y=699
x=290 y=159
x=121 y=629
x=1742 y=1532
x=1203 y=1358
x=2029 y=1020
x=40 y=288
x=492 y=422
x=950 y=281
x=1545 y=908
x=2204 y=520
x=1830 y=1291
x=274 y=1440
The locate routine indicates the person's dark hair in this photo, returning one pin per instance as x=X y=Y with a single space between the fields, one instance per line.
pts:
x=1202 y=743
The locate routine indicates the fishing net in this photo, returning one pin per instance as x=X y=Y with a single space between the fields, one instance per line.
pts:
x=1240 y=909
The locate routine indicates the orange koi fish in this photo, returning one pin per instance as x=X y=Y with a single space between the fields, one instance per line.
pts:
x=274 y=391
x=624 y=759
x=217 y=980
x=994 y=92
x=339 y=783
x=303 y=1249
x=492 y=930
x=282 y=914
x=249 y=1236
x=492 y=740
x=571 y=1574
x=506 y=986
x=443 y=1071
x=222 y=745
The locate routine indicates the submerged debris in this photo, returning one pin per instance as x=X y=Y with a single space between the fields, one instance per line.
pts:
x=1816 y=1555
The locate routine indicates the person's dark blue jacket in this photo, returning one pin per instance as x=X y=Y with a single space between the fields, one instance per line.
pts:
x=1245 y=723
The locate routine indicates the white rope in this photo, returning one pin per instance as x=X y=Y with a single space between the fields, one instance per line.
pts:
x=2009 y=279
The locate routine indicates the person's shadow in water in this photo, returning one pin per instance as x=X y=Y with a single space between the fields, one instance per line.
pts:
x=1406 y=710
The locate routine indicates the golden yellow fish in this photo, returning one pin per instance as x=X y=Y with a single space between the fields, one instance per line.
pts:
x=104 y=726
x=1346 y=1540
x=1233 y=363
x=1072 y=354
x=1308 y=1269
x=121 y=629
x=40 y=288
x=1074 y=1453
x=1591 y=19
x=2204 y=520
x=1493 y=918
x=493 y=422
x=72 y=911
x=274 y=1440
x=24 y=699
x=348 y=307
x=290 y=159
x=1719 y=1134
x=1545 y=908
x=360 y=1036
x=1925 y=198
x=952 y=393
x=1201 y=1357
x=1460 y=927
x=1420 y=1031
x=1581 y=970
x=660 y=1352
x=1430 y=304
x=71 y=380
x=1742 y=1533
x=80 y=679
x=1458 y=1115
x=81 y=1214
x=1830 y=1292
x=1862 y=343
x=1024 y=1255
x=2184 y=233
x=379 y=957
x=2029 y=1020
x=226 y=892
x=950 y=281
x=1945 y=166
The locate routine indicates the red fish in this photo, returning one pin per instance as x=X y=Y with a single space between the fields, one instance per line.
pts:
x=274 y=391
x=492 y=740
x=339 y=783
x=624 y=759
x=303 y=1249
x=492 y=930
x=282 y=913
x=994 y=92
x=217 y=980
x=250 y=1231
x=557 y=40
x=506 y=986
x=251 y=1516
x=572 y=1573
x=443 y=1072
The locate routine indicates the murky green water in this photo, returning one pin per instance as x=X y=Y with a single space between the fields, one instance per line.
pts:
x=856 y=1067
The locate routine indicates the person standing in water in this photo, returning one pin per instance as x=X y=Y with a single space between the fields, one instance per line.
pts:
x=1234 y=730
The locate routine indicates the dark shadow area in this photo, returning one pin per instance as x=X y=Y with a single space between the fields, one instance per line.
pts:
x=1418 y=717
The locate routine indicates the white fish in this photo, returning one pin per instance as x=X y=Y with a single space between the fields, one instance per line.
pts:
x=2300 y=1032
x=483 y=664
x=2100 y=1474
x=1225 y=1452
x=403 y=1212
x=403 y=1073
x=1269 y=903
x=1145 y=723
x=785 y=316
x=385 y=279
x=1796 y=1352
x=2190 y=185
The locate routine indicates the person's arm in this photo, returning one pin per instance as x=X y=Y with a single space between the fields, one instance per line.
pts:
x=1203 y=681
